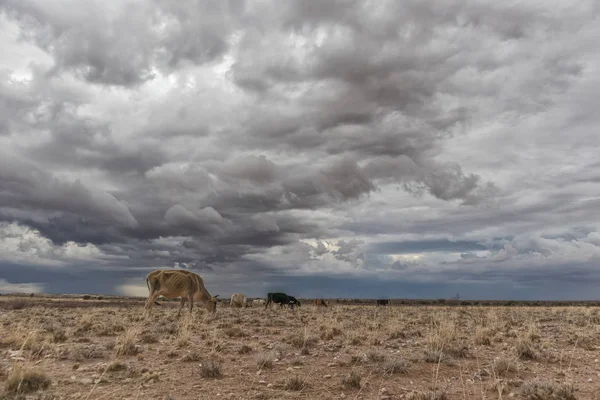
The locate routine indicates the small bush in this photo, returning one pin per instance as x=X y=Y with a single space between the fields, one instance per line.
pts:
x=25 y=380
x=235 y=332
x=210 y=369
x=483 y=336
x=295 y=384
x=373 y=356
x=191 y=357
x=546 y=390
x=126 y=343
x=525 y=349
x=352 y=380
x=87 y=297
x=245 y=349
x=116 y=366
x=59 y=336
x=265 y=363
x=504 y=366
x=427 y=396
x=396 y=367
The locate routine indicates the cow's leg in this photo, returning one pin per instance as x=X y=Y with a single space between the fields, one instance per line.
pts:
x=149 y=302
x=181 y=305
x=267 y=303
x=191 y=299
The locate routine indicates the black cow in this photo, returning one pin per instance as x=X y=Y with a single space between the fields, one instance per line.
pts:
x=382 y=302
x=293 y=302
x=281 y=299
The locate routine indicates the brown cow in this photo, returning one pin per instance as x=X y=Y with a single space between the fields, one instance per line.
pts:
x=178 y=283
x=320 y=303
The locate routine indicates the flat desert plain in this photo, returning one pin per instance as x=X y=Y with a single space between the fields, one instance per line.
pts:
x=104 y=349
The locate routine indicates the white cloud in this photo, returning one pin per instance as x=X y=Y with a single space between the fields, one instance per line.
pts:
x=7 y=287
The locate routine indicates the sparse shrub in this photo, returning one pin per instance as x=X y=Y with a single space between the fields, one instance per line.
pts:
x=191 y=357
x=59 y=336
x=330 y=333
x=149 y=337
x=397 y=334
x=504 y=366
x=116 y=366
x=427 y=396
x=483 y=336
x=373 y=356
x=352 y=380
x=265 y=363
x=126 y=343
x=525 y=349
x=245 y=349
x=83 y=353
x=235 y=332
x=87 y=297
x=435 y=356
x=23 y=379
x=546 y=390
x=295 y=383
x=396 y=367
x=210 y=369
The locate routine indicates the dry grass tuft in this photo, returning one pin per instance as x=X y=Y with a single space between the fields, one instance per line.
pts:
x=525 y=349
x=352 y=380
x=547 y=390
x=396 y=367
x=126 y=343
x=504 y=366
x=211 y=369
x=116 y=366
x=245 y=349
x=265 y=363
x=483 y=336
x=295 y=384
x=427 y=396
x=24 y=379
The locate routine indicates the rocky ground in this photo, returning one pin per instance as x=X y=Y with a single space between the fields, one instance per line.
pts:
x=70 y=349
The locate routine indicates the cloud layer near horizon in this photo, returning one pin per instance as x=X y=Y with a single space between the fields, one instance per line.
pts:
x=450 y=144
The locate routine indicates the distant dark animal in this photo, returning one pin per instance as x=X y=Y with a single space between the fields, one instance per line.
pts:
x=293 y=302
x=383 y=302
x=282 y=299
x=320 y=303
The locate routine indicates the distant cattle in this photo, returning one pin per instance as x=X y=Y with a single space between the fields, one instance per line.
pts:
x=258 y=302
x=383 y=302
x=281 y=299
x=178 y=283
x=238 y=300
x=320 y=303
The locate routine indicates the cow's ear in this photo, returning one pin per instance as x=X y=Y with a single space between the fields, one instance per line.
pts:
x=216 y=296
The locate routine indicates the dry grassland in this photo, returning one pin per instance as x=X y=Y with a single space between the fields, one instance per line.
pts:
x=352 y=352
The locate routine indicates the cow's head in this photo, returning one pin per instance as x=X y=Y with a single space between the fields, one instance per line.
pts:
x=211 y=305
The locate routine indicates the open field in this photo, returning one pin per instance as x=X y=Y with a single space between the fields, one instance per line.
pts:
x=70 y=348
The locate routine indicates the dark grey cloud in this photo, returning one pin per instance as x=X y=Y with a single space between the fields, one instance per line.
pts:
x=419 y=141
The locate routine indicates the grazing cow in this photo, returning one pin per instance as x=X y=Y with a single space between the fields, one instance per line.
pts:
x=383 y=302
x=281 y=299
x=178 y=283
x=258 y=302
x=293 y=302
x=320 y=303
x=238 y=300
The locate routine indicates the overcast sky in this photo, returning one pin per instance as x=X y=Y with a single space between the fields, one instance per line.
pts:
x=413 y=148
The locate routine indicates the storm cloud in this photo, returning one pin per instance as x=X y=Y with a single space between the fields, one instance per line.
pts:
x=433 y=146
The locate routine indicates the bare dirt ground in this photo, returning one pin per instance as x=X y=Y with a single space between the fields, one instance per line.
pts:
x=70 y=349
